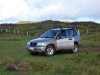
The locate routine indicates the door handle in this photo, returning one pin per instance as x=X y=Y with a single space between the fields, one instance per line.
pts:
x=70 y=38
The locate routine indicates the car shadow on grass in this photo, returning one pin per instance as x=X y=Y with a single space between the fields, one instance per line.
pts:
x=61 y=52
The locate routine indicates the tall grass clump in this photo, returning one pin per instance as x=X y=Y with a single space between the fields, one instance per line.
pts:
x=6 y=61
x=40 y=64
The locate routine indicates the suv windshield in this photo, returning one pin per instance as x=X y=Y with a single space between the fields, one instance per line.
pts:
x=49 y=34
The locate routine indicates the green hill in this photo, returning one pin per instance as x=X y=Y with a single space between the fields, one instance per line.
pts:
x=26 y=22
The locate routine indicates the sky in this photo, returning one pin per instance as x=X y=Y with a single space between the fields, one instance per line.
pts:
x=13 y=11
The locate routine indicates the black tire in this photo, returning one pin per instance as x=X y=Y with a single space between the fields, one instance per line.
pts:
x=75 y=49
x=34 y=53
x=50 y=50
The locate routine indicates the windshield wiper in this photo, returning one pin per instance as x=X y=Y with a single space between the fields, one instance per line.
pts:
x=42 y=37
x=49 y=37
x=46 y=37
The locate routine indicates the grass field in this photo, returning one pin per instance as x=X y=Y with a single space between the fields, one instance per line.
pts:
x=84 y=62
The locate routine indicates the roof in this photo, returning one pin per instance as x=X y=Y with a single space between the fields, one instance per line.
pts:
x=61 y=28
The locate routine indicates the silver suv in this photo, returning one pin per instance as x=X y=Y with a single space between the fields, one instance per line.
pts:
x=55 y=39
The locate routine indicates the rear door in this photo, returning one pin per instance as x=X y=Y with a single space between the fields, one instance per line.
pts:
x=65 y=42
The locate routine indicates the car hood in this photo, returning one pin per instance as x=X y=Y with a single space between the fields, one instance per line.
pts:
x=41 y=39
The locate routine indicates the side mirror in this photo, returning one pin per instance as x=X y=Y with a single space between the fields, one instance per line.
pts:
x=57 y=37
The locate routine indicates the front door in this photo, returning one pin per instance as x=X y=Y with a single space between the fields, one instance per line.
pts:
x=64 y=42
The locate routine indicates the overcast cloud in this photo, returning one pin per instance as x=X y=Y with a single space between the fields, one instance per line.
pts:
x=12 y=11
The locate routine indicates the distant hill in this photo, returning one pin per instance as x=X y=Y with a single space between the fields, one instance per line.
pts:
x=37 y=28
x=26 y=22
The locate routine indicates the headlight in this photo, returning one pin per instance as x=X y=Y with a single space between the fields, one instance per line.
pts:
x=28 y=43
x=40 y=44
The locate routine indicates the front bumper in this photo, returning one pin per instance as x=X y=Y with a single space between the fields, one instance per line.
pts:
x=35 y=49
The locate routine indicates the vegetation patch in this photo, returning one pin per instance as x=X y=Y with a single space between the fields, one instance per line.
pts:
x=95 y=60
x=9 y=39
x=28 y=65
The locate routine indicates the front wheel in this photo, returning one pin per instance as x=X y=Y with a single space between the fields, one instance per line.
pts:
x=50 y=50
x=75 y=49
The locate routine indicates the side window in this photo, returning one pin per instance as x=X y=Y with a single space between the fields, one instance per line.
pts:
x=63 y=34
x=71 y=33
x=75 y=33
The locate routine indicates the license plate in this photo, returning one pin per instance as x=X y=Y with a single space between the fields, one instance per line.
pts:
x=31 y=48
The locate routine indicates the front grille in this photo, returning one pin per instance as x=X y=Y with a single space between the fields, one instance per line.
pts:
x=33 y=44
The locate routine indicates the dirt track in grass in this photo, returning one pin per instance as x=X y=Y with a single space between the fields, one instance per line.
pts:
x=97 y=49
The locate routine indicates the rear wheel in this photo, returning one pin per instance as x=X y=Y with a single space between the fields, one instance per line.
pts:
x=75 y=49
x=34 y=53
x=50 y=50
